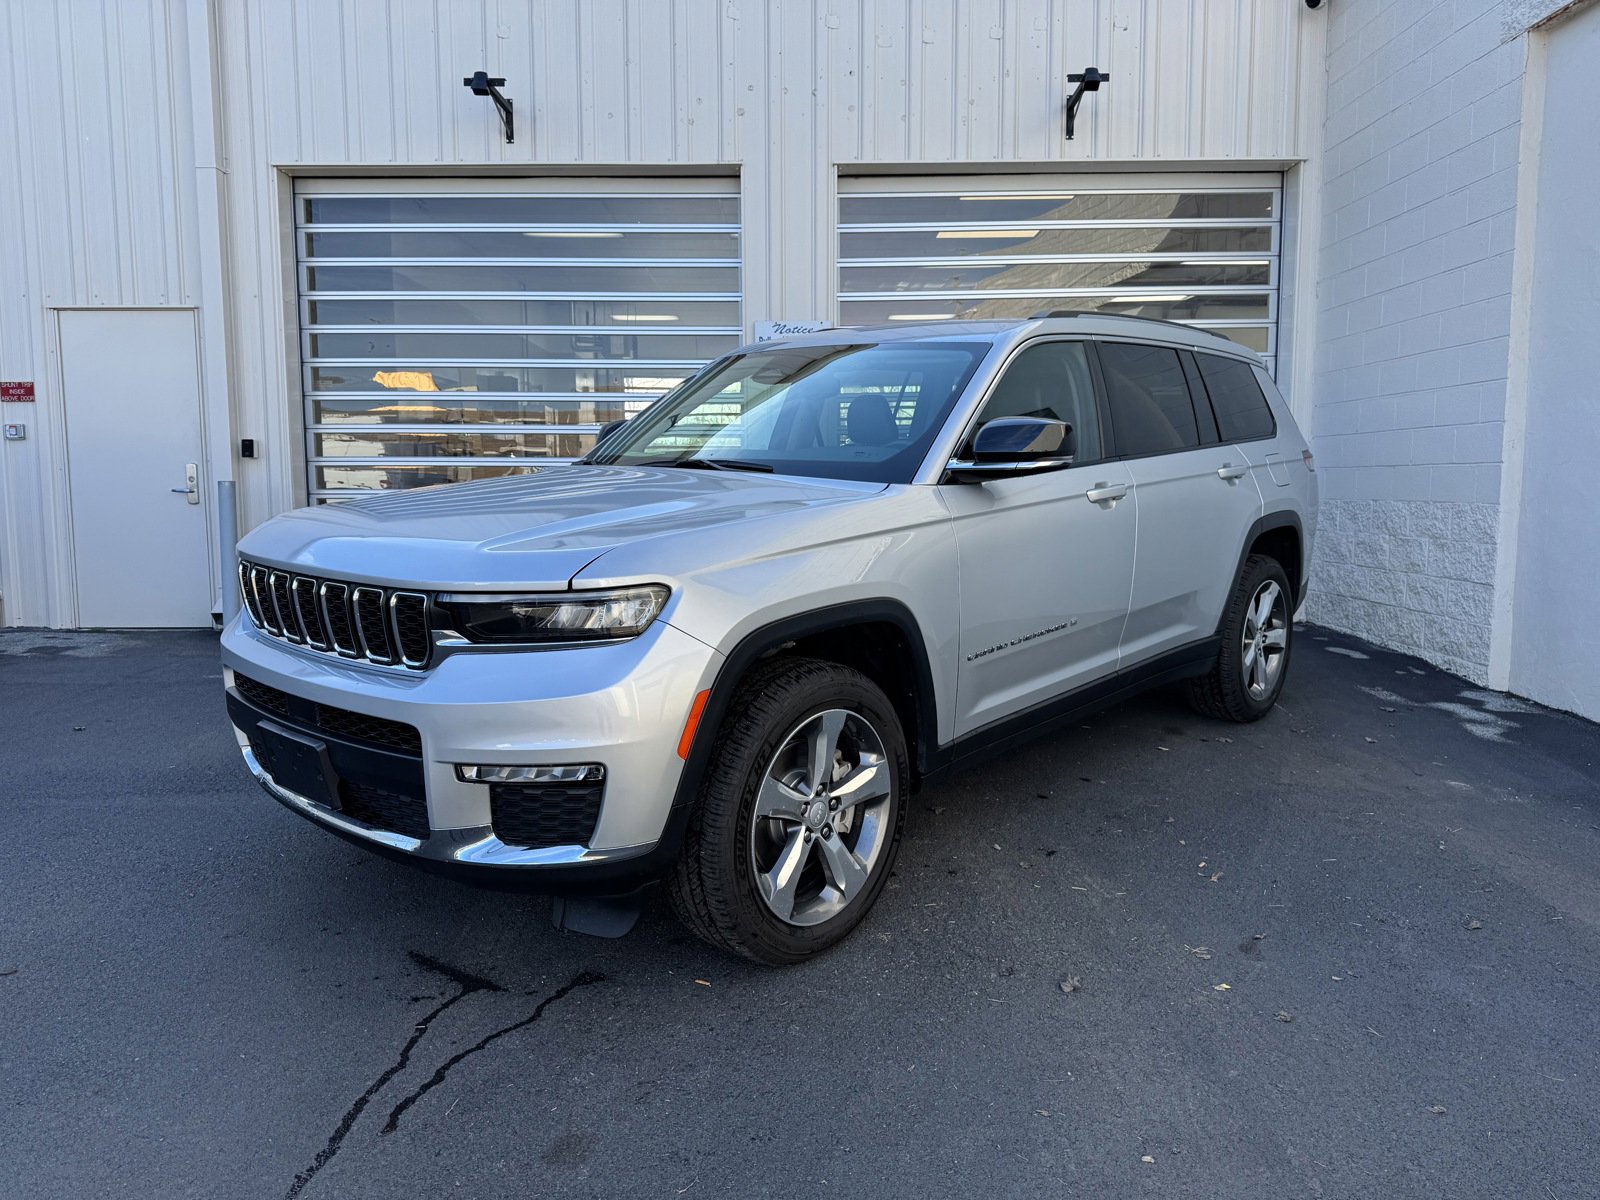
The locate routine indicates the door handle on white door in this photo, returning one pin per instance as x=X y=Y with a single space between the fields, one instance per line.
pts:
x=191 y=475
x=1230 y=472
x=1101 y=492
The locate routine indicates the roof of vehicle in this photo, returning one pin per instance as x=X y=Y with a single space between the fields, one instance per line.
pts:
x=1058 y=321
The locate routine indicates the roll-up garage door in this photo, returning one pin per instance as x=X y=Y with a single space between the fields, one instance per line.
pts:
x=462 y=329
x=1196 y=248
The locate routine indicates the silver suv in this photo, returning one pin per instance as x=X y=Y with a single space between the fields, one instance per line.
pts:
x=726 y=646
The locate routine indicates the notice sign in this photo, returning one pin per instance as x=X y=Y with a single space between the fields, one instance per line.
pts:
x=17 y=393
x=767 y=331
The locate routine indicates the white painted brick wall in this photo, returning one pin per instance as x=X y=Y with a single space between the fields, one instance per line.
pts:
x=1420 y=145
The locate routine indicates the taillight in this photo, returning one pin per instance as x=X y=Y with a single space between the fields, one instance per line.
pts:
x=1309 y=459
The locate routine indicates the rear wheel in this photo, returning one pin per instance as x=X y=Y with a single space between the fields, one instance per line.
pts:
x=1257 y=629
x=799 y=814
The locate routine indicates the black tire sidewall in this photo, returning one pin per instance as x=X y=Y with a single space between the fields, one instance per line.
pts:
x=1258 y=570
x=785 y=700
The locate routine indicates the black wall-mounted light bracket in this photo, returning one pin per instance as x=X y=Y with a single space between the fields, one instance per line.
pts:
x=1089 y=81
x=482 y=85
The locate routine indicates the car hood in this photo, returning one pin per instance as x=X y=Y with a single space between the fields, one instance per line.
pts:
x=536 y=530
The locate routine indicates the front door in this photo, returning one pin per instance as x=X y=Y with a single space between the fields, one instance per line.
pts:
x=1045 y=560
x=131 y=389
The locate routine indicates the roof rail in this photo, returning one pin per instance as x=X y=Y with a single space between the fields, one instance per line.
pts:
x=1083 y=312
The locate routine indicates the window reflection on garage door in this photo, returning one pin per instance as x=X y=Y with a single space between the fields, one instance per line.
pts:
x=455 y=330
x=1201 y=249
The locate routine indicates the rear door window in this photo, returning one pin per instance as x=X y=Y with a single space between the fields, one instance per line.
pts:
x=1236 y=398
x=1151 y=411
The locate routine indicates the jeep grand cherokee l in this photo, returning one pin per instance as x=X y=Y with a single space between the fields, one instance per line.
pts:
x=724 y=647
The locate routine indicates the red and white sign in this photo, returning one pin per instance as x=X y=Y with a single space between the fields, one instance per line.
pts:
x=16 y=393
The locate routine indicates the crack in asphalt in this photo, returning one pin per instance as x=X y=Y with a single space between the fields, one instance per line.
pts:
x=581 y=979
x=469 y=984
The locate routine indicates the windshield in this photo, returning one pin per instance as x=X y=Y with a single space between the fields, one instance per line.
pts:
x=842 y=412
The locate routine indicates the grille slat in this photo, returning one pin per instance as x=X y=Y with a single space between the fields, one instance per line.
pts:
x=372 y=624
x=304 y=592
x=336 y=608
x=264 y=601
x=278 y=582
x=381 y=625
x=247 y=593
x=410 y=613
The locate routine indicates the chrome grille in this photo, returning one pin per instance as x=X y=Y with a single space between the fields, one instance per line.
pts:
x=386 y=626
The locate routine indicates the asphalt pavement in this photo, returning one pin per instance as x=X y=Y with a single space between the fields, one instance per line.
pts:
x=1350 y=951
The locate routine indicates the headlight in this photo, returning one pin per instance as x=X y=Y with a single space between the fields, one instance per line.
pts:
x=558 y=617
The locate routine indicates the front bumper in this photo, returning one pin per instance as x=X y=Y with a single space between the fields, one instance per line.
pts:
x=622 y=706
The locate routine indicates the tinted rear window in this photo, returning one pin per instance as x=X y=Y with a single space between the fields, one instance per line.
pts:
x=1236 y=398
x=1151 y=412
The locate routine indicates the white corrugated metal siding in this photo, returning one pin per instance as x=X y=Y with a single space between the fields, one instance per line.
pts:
x=785 y=94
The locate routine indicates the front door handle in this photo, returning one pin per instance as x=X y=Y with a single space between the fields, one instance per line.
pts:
x=1102 y=492
x=191 y=475
x=1230 y=472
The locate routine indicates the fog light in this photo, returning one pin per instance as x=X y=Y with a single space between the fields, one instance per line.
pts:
x=572 y=773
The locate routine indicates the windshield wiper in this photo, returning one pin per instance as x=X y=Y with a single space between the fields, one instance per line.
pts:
x=710 y=464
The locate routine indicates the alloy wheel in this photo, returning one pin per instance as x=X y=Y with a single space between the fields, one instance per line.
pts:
x=823 y=817
x=1266 y=637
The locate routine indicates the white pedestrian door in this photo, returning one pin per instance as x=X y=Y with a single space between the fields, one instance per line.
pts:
x=131 y=389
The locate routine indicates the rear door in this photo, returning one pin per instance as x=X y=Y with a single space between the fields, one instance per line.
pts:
x=1245 y=420
x=1197 y=496
x=1045 y=561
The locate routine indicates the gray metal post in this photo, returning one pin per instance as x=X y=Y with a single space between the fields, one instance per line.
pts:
x=228 y=539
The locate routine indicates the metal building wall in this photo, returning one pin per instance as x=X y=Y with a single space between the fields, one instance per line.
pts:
x=96 y=209
x=121 y=201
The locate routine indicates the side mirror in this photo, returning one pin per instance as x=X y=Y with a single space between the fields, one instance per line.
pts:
x=1010 y=446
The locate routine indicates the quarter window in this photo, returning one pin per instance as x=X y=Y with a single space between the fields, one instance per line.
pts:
x=1051 y=380
x=1151 y=412
x=1236 y=398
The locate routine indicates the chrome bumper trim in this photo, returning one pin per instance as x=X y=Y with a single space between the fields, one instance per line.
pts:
x=471 y=847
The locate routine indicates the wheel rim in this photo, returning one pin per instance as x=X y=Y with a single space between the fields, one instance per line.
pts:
x=822 y=819
x=1265 y=640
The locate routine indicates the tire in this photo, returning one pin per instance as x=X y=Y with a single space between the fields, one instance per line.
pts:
x=1242 y=686
x=761 y=867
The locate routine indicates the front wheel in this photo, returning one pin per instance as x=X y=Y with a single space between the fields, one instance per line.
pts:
x=799 y=815
x=1249 y=672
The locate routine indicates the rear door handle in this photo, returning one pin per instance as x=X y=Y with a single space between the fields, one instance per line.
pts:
x=1230 y=472
x=1101 y=492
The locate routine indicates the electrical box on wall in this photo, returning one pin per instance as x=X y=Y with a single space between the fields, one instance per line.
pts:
x=16 y=433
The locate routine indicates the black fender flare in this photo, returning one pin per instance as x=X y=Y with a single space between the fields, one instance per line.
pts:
x=1282 y=519
x=773 y=636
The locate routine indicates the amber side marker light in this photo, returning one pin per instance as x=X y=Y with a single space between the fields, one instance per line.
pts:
x=696 y=710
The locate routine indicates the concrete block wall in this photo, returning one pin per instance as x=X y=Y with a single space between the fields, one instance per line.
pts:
x=1414 y=312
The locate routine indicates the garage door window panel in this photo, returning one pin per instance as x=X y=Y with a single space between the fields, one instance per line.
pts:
x=698 y=209
x=498 y=325
x=1062 y=206
x=639 y=314
x=945 y=248
x=529 y=244
x=1039 y=241
x=568 y=280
